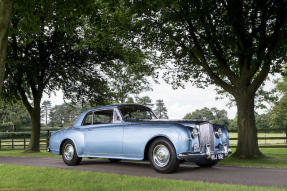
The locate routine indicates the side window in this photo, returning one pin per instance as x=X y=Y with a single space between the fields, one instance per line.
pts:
x=88 y=119
x=103 y=117
x=116 y=117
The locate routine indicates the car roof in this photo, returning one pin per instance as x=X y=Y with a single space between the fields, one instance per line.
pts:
x=117 y=106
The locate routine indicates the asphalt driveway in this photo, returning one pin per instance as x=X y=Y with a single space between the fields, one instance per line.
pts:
x=217 y=174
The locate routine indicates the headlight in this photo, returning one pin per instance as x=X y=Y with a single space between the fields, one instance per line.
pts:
x=195 y=147
x=194 y=133
x=219 y=133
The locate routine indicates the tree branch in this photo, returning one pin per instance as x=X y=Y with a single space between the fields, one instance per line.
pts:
x=210 y=72
x=199 y=57
x=275 y=38
x=24 y=98
x=260 y=77
x=217 y=51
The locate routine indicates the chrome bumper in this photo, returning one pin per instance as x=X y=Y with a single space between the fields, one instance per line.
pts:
x=209 y=155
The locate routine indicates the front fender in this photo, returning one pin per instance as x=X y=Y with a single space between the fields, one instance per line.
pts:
x=59 y=137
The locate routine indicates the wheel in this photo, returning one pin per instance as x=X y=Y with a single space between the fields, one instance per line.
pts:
x=114 y=160
x=206 y=163
x=69 y=153
x=162 y=156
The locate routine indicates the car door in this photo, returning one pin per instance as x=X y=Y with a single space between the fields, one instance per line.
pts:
x=104 y=136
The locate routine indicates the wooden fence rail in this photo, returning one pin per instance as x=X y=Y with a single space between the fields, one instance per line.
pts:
x=21 y=143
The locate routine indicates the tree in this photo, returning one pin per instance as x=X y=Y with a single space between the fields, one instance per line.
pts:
x=46 y=107
x=64 y=114
x=145 y=100
x=13 y=116
x=124 y=84
x=200 y=114
x=278 y=114
x=5 y=14
x=54 y=49
x=220 y=117
x=130 y=100
x=263 y=121
x=232 y=44
x=160 y=110
x=213 y=115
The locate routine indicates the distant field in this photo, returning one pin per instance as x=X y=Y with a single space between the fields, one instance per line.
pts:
x=263 y=142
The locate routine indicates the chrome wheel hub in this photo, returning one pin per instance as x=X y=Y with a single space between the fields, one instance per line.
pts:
x=161 y=155
x=69 y=152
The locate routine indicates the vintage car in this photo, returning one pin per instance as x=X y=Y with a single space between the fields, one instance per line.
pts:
x=133 y=132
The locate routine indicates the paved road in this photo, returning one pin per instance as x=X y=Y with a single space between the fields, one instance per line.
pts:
x=218 y=174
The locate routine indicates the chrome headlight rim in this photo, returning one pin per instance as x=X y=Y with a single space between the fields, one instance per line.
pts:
x=194 y=133
x=219 y=133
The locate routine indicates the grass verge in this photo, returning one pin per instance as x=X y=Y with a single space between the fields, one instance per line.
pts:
x=274 y=158
x=14 y=177
x=16 y=153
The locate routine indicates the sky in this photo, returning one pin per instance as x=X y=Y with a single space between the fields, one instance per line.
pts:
x=180 y=101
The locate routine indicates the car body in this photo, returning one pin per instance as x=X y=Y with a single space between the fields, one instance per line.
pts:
x=128 y=131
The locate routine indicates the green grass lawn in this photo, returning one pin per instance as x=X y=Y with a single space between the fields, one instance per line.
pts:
x=274 y=158
x=14 y=177
x=15 y=153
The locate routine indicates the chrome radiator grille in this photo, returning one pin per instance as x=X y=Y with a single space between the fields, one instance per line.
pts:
x=206 y=136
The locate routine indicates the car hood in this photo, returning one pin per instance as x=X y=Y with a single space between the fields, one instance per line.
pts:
x=189 y=123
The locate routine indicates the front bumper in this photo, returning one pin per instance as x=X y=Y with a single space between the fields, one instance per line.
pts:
x=209 y=155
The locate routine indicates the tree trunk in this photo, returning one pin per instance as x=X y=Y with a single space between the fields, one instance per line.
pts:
x=46 y=117
x=247 y=146
x=5 y=14
x=34 y=144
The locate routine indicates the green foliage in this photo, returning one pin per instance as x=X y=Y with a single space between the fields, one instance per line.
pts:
x=231 y=44
x=130 y=100
x=13 y=116
x=160 y=109
x=214 y=42
x=278 y=114
x=64 y=114
x=145 y=100
x=45 y=109
x=79 y=47
x=213 y=115
x=263 y=121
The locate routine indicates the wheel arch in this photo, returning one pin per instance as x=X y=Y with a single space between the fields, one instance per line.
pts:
x=150 y=142
x=62 y=143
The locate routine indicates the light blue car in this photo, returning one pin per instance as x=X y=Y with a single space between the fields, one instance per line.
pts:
x=132 y=131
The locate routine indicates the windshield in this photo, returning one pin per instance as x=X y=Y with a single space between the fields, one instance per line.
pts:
x=136 y=113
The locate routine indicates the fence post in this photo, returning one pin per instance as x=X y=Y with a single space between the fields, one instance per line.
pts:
x=24 y=142
x=48 y=138
x=265 y=130
x=12 y=143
